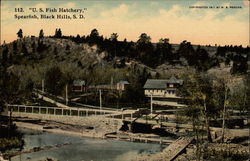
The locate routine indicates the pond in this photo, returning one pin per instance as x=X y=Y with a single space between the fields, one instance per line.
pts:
x=79 y=149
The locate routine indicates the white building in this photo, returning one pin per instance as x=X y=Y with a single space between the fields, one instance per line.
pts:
x=163 y=89
x=122 y=85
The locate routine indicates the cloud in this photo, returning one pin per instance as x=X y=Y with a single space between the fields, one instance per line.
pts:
x=154 y=3
x=40 y=5
x=68 y=5
x=174 y=11
x=121 y=10
x=177 y=22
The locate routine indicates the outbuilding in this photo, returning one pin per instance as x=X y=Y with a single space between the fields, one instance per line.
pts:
x=79 y=86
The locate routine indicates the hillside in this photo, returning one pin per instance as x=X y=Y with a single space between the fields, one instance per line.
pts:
x=29 y=58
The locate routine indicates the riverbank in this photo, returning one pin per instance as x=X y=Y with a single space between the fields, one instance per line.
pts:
x=206 y=152
x=9 y=136
x=82 y=131
x=96 y=126
x=59 y=128
x=77 y=148
x=88 y=131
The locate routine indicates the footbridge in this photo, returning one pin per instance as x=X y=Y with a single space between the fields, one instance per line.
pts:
x=69 y=111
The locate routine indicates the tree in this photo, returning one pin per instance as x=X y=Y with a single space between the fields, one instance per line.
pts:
x=198 y=93
x=78 y=38
x=9 y=90
x=54 y=80
x=163 y=51
x=24 y=49
x=202 y=60
x=113 y=37
x=94 y=33
x=20 y=34
x=94 y=38
x=238 y=96
x=41 y=46
x=220 y=98
x=187 y=51
x=58 y=33
x=144 y=39
x=14 y=47
x=5 y=54
x=247 y=92
x=41 y=34
x=164 y=40
x=145 y=50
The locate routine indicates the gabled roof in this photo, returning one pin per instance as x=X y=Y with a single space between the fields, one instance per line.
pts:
x=161 y=83
x=123 y=82
x=78 y=83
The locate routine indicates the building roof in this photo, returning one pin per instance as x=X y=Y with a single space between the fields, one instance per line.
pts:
x=123 y=82
x=161 y=83
x=78 y=83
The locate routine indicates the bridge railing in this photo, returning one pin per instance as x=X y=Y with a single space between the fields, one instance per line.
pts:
x=57 y=111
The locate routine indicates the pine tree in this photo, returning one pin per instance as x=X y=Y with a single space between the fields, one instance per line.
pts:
x=41 y=34
x=59 y=33
x=20 y=34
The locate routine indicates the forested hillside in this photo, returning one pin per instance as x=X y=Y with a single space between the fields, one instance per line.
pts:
x=95 y=59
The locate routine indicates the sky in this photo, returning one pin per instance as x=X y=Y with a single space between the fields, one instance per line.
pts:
x=171 y=19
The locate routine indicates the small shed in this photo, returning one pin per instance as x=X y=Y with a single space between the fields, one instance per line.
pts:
x=122 y=85
x=79 y=86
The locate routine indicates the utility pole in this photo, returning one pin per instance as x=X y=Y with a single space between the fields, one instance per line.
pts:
x=151 y=105
x=224 y=115
x=66 y=94
x=100 y=94
x=43 y=85
x=111 y=83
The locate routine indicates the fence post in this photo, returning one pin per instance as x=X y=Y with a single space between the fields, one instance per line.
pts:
x=86 y=112
x=18 y=109
x=47 y=111
x=39 y=108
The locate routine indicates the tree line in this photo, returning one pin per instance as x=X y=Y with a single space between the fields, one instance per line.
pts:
x=155 y=54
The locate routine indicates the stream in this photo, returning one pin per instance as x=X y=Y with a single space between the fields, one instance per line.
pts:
x=81 y=149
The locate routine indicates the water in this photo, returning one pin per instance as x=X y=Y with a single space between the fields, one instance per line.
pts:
x=87 y=149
